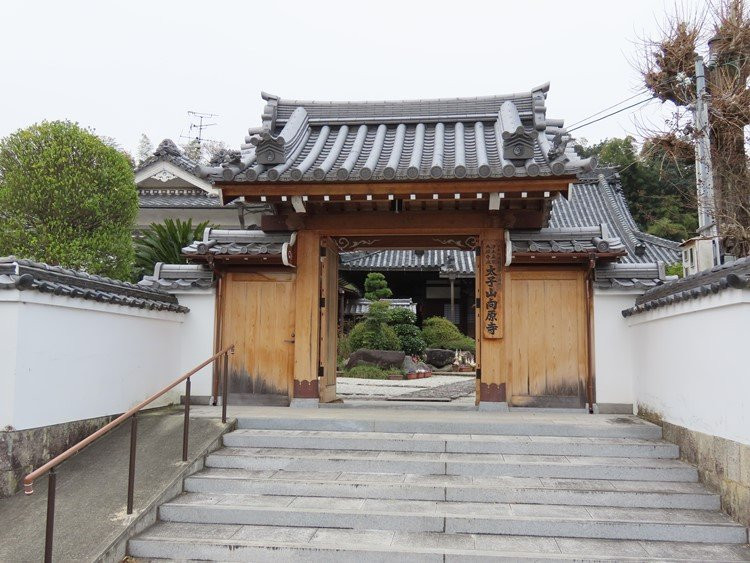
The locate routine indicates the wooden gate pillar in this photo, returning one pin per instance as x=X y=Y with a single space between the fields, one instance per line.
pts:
x=491 y=344
x=307 y=320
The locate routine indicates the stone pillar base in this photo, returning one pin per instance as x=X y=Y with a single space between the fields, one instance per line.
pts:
x=298 y=403
x=495 y=406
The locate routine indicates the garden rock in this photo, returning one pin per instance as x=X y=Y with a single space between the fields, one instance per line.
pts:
x=382 y=358
x=410 y=366
x=440 y=358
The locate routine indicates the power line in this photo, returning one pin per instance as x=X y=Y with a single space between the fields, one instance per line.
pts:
x=611 y=114
x=642 y=91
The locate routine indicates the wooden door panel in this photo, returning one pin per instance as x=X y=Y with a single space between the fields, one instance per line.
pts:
x=547 y=335
x=258 y=317
x=329 y=321
x=535 y=345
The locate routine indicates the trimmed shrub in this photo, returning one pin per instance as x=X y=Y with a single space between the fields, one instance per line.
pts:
x=373 y=335
x=439 y=332
x=411 y=339
x=401 y=316
x=376 y=287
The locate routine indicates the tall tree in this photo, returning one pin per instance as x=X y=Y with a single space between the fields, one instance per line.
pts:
x=659 y=189
x=193 y=150
x=669 y=73
x=145 y=148
x=68 y=199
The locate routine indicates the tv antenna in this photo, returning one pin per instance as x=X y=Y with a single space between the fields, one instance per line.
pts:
x=196 y=129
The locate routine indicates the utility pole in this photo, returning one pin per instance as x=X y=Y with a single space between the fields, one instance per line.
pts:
x=707 y=226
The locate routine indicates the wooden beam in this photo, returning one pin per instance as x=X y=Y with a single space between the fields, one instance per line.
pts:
x=551 y=184
x=346 y=243
x=407 y=222
x=245 y=259
x=552 y=257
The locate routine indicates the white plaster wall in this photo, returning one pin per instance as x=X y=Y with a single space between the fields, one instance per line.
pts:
x=613 y=353
x=67 y=359
x=8 y=345
x=197 y=337
x=691 y=363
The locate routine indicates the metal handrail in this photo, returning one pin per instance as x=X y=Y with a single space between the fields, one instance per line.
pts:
x=51 y=466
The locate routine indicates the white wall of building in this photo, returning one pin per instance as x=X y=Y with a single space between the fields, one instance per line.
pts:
x=691 y=363
x=197 y=337
x=64 y=359
x=613 y=353
x=223 y=218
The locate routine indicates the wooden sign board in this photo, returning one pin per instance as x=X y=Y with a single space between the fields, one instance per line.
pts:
x=491 y=288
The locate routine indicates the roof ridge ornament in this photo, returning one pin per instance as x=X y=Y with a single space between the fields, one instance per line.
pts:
x=276 y=149
x=517 y=143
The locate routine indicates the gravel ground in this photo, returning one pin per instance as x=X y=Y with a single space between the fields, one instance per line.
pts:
x=450 y=391
x=353 y=387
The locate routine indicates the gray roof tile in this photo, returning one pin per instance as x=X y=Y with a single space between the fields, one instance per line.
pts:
x=439 y=260
x=168 y=151
x=185 y=199
x=237 y=242
x=179 y=277
x=361 y=306
x=16 y=273
x=591 y=203
x=490 y=137
x=725 y=276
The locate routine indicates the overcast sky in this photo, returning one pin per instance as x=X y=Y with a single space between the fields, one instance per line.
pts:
x=126 y=68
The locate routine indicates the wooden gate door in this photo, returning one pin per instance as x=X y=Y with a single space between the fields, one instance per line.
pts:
x=547 y=332
x=258 y=317
x=329 y=320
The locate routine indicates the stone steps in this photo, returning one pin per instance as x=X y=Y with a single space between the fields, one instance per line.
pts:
x=226 y=542
x=458 y=443
x=642 y=494
x=456 y=517
x=609 y=426
x=428 y=463
x=381 y=485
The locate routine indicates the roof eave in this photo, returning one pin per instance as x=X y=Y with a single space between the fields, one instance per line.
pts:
x=232 y=190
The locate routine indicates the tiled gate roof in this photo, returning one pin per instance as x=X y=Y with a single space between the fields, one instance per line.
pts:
x=486 y=137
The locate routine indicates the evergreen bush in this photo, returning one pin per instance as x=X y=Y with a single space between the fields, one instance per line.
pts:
x=439 y=332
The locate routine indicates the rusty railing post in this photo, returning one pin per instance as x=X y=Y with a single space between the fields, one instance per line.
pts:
x=131 y=465
x=50 y=529
x=186 y=424
x=224 y=389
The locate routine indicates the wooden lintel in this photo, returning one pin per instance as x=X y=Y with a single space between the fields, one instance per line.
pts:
x=560 y=257
x=408 y=222
x=255 y=260
x=507 y=185
x=345 y=243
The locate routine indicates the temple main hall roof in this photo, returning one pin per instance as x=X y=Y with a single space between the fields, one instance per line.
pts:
x=487 y=137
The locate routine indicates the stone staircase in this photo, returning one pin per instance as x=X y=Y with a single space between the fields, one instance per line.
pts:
x=379 y=485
